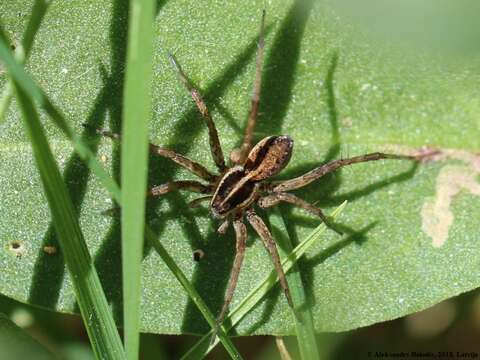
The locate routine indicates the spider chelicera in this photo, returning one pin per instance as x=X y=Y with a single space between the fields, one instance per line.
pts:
x=236 y=190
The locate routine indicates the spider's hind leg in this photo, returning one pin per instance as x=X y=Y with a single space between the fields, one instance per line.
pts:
x=262 y=230
x=275 y=198
x=241 y=243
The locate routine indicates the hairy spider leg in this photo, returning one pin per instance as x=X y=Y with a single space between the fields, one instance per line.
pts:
x=320 y=171
x=185 y=162
x=239 y=155
x=241 y=242
x=275 y=198
x=181 y=160
x=215 y=146
x=193 y=186
x=267 y=238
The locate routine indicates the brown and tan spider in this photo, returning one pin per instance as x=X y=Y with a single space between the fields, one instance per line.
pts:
x=236 y=190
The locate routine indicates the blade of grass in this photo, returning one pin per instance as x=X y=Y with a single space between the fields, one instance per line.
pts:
x=35 y=92
x=134 y=163
x=22 y=52
x=203 y=346
x=90 y=297
x=304 y=327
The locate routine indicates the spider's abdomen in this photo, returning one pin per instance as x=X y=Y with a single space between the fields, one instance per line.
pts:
x=234 y=192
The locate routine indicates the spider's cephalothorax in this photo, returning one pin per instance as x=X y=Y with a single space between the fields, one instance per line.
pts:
x=234 y=193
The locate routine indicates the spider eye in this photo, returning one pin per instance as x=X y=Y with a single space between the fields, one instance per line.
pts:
x=268 y=157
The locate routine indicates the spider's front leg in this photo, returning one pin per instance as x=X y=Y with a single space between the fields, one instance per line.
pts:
x=275 y=198
x=267 y=238
x=215 y=146
x=183 y=161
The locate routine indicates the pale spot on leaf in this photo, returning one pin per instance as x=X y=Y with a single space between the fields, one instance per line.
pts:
x=437 y=216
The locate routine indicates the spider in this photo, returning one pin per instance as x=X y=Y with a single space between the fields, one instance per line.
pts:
x=236 y=190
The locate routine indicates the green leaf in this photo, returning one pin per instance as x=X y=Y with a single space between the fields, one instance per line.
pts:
x=336 y=82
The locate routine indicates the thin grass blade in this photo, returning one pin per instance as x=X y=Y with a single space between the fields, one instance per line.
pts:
x=134 y=163
x=202 y=347
x=91 y=299
x=22 y=52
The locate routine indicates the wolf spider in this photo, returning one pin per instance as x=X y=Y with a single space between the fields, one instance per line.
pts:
x=236 y=189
